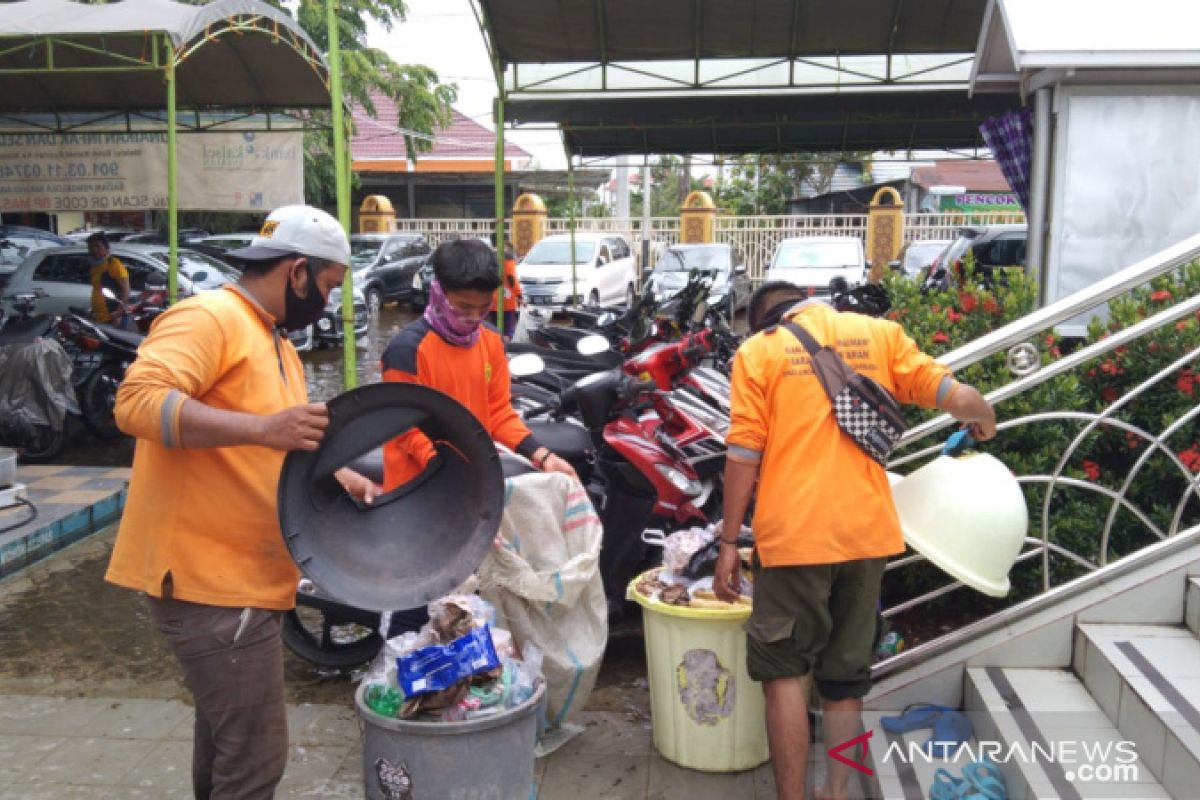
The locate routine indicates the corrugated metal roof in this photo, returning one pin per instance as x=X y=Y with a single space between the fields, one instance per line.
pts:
x=975 y=176
x=379 y=138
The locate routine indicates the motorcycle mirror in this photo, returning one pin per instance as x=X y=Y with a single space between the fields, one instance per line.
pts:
x=526 y=364
x=156 y=280
x=592 y=345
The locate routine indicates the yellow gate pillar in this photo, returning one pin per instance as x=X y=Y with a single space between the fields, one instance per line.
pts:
x=885 y=231
x=529 y=223
x=376 y=215
x=697 y=219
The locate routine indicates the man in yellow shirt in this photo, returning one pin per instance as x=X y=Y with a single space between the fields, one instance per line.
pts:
x=102 y=263
x=824 y=522
x=216 y=398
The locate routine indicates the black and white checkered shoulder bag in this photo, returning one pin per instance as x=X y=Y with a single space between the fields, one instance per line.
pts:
x=864 y=410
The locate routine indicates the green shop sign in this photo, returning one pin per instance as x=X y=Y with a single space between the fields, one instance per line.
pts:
x=980 y=201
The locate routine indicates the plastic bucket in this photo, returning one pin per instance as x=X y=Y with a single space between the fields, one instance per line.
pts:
x=706 y=712
x=489 y=757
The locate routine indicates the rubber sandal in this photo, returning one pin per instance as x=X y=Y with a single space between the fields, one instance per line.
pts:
x=913 y=718
x=946 y=786
x=951 y=729
x=985 y=780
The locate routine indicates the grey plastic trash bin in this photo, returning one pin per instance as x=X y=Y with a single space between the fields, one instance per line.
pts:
x=489 y=757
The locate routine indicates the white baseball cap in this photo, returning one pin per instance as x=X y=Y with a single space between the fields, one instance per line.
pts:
x=300 y=230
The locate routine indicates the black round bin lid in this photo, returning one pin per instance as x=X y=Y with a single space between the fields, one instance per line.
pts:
x=413 y=544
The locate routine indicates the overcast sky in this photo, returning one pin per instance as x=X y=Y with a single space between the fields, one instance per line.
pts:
x=442 y=34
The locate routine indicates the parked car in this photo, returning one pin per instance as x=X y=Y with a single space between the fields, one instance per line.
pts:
x=114 y=233
x=17 y=242
x=63 y=273
x=991 y=245
x=604 y=271
x=327 y=331
x=224 y=241
x=916 y=257
x=385 y=266
x=812 y=262
x=722 y=263
x=186 y=235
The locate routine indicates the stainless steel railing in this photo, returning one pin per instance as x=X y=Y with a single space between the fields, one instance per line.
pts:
x=1030 y=374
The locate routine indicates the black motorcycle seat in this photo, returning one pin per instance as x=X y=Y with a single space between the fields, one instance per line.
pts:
x=23 y=330
x=566 y=440
x=132 y=339
x=569 y=359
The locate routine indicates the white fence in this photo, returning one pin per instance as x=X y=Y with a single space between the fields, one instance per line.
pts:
x=756 y=237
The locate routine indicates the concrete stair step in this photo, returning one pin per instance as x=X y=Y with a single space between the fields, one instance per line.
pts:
x=1147 y=679
x=1052 y=739
x=1191 y=605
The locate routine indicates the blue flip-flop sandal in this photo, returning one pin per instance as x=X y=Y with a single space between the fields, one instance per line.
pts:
x=951 y=729
x=913 y=718
x=946 y=786
x=983 y=781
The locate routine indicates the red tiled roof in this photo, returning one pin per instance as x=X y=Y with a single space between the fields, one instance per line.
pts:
x=378 y=138
x=975 y=176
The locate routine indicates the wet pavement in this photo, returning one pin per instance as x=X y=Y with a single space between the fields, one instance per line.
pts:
x=63 y=630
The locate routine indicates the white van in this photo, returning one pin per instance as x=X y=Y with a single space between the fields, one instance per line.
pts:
x=813 y=261
x=604 y=271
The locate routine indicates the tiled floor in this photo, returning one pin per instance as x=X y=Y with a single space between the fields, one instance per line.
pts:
x=71 y=502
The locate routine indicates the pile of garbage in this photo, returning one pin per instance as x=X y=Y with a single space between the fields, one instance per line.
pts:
x=689 y=560
x=459 y=666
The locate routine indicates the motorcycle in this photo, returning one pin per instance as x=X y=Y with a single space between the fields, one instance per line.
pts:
x=100 y=356
x=37 y=401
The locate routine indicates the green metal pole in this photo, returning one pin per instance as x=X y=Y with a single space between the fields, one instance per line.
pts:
x=571 y=216
x=500 y=202
x=342 y=175
x=172 y=182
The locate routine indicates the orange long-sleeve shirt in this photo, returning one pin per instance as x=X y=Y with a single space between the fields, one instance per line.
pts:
x=821 y=499
x=206 y=517
x=476 y=376
x=512 y=286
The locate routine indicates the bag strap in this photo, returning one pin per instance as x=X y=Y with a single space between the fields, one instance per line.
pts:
x=806 y=339
x=826 y=361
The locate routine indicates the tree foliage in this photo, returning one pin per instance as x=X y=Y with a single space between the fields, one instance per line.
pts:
x=763 y=184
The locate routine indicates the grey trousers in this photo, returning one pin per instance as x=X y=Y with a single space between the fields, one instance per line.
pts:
x=232 y=661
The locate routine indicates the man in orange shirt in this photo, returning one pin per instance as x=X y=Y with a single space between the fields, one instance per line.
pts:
x=824 y=522
x=451 y=350
x=216 y=398
x=512 y=293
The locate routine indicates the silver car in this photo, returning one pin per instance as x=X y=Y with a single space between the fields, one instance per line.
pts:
x=63 y=273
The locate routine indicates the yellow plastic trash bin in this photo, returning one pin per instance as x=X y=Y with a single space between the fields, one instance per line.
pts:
x=705 y=711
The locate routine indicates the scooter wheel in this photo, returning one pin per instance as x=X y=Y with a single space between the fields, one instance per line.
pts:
x=313 y=636
x=97 y=398
x=47 y=443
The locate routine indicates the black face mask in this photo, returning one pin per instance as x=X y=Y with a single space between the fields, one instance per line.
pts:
x=300 y=312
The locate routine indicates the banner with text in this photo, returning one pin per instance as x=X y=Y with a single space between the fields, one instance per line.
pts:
x=53 y=173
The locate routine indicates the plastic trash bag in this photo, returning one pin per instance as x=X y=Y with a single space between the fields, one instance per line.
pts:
x=545 y=585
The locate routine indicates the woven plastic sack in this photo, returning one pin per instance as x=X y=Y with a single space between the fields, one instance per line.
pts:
x=545 y=584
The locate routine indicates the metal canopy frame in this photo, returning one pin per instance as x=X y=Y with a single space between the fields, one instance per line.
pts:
x=143 y=68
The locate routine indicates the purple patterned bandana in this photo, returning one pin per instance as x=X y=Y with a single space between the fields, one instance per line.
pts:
x=446 y=322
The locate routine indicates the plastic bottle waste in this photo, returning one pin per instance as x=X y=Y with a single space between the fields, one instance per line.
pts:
x=890 y=645
x=384 y=700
